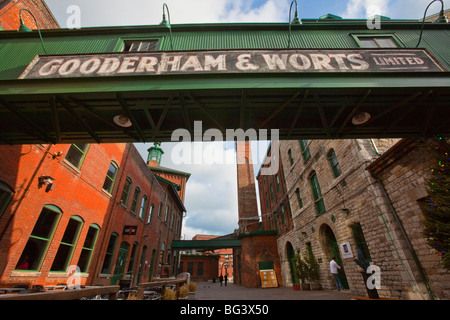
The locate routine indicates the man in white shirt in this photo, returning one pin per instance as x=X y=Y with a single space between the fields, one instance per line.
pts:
x=334 y=271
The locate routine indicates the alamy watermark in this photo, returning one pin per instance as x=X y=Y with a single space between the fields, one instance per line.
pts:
x=374 y=280
x=74 y=19
x=199 y=153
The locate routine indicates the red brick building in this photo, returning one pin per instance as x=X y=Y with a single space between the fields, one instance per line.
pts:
x=9 y=15
x=274 y=203
x=98 y=207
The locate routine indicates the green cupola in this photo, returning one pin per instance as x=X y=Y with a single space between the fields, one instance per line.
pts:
x=154 y=155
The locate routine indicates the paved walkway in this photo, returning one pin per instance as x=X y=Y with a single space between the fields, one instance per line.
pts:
x=213 y=291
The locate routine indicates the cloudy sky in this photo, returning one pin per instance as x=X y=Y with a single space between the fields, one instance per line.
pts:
x=211 y=196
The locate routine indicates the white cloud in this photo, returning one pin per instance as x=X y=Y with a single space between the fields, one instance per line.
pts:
x=395 y=9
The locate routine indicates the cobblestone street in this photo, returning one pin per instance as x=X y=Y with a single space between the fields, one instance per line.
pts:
x=213 y=291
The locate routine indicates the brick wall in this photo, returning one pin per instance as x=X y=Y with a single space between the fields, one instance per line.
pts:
x=9 y=15
x=80 y=192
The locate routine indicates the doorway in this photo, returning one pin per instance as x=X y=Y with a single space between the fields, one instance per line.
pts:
x=331 y=246
x=120 y=263
x=291 y=258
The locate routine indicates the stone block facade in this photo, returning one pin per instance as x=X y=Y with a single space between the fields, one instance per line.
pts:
x=359 y=212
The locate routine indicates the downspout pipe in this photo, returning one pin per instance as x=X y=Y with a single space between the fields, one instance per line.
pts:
x=405 y=235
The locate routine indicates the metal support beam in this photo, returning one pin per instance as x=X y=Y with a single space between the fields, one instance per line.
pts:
x=354 y=110
x=78 y=119
x=55 y=119
x=130 y=115
x=39 y=133
x=161 y=118
x=199 y=105
x=297 y=114
x=322 y=115
x=279 y=109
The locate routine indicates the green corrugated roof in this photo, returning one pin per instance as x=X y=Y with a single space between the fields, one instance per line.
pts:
x=17 y=50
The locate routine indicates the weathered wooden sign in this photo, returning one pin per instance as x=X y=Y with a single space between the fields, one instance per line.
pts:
x=255 y=61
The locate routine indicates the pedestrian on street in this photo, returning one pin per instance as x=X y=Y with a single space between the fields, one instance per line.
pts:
x=334 y=271
x=221 y=279
x=226 y=279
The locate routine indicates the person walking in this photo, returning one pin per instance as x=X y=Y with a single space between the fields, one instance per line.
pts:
x=226 y=279
x=221 y=279
x=334 y=271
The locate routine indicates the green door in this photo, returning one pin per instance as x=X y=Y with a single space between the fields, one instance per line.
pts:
x=120 y=263
x=335 y=249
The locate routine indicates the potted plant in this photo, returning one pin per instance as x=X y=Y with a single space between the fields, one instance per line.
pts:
x=313 y=271
x=183 y=293
x=169 y=294
x=302 y=271
x=192 y=288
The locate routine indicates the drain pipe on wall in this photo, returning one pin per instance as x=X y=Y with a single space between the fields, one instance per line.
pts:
x=405 y=235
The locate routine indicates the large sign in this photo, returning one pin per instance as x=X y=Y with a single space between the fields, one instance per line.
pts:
x=254 y=61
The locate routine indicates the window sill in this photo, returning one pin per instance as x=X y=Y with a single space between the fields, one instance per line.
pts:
x=26 y=274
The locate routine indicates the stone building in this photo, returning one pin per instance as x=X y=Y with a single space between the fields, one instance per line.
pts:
x=340 y=208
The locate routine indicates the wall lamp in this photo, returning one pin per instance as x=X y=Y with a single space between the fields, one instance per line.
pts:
x=23 y=27
x=166 y=24
x=440 y=19
x=296 y=20
x=46 y=181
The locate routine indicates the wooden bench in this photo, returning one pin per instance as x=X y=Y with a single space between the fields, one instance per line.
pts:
x=74 y=294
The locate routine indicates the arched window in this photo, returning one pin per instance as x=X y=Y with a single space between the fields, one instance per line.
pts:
x=67 y=244
x=88 y=247
x=110 y=177
x=136 y=195
x=39 y=240
x=126 y=191
x=334 y=163
x=150 y=213
x=306 y=153
x=143 y=207
x=317 y=193
x=106 y=268
x=291 y=159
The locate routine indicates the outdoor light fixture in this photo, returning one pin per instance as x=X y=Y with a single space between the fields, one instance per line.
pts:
x=346 y=211
x=440 y=19
x=296 y=20
x=122 y=121
x=166 y=24
x=46 y=181
x=360 y=118
x=23 y=27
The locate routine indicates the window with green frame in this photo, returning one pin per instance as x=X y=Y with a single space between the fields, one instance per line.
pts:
x=361 y=243
x=39 y=239
x=136 y=195
x=334 y=163
x=306 y=153
x=376 y=41
x=67 y=244
x=150 y=213
x=132 y=258
x=291 y=159
x=143 y=207
x=160 y=209
x=126 y=191
x=299 y=198
x=166 y=217
x=277 y=181
x=272 y=195
x=317 y=193
x=76 y=154
x=6 y=194
x=110 y=177
x=88 y=247
x=106 y=268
